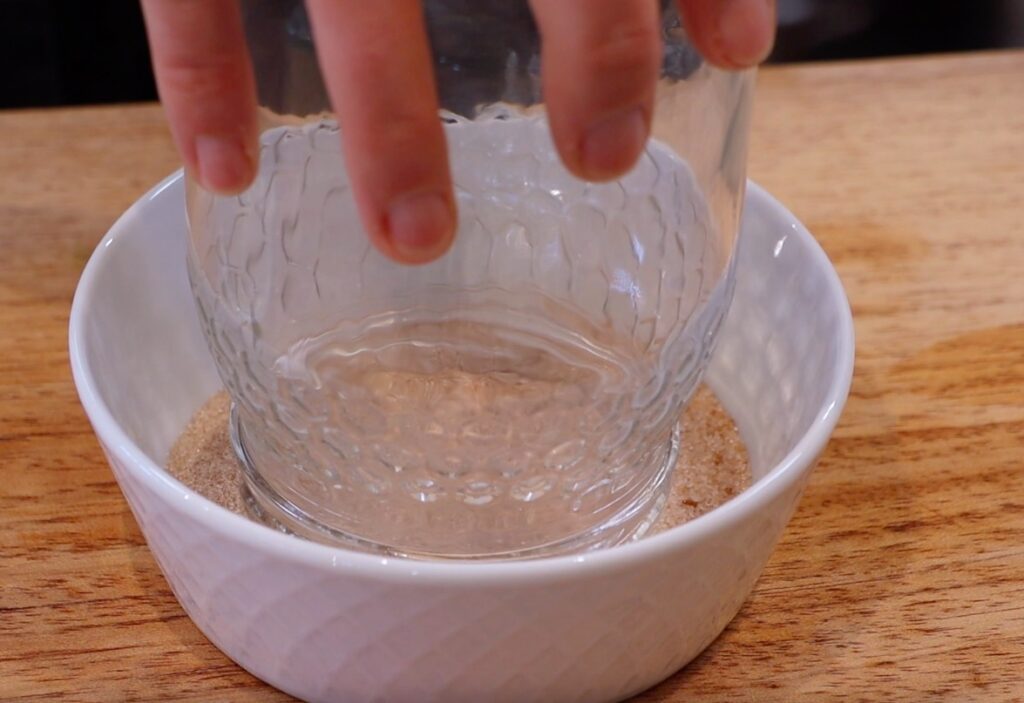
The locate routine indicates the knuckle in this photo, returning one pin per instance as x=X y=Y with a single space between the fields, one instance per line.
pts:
x=627 y=50
x=407 y=132
x=206 y=78
x=409 y=153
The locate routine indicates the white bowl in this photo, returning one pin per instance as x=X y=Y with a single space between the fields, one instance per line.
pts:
x=327 y=624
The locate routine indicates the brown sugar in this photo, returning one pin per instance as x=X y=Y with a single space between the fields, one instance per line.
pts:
x=713 y=463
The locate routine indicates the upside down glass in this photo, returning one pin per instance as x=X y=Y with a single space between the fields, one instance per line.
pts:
x=517 y=397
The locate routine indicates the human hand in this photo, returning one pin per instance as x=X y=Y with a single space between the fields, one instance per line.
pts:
x=601 y=61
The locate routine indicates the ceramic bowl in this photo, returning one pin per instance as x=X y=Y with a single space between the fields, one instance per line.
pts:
x=327 y=624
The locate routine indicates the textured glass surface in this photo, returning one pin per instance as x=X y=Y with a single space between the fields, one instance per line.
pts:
x=517 y=396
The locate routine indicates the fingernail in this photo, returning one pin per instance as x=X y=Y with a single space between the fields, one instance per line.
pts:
x=612 y=145
x=420 y=226
x=746 y=31
x=225 y=165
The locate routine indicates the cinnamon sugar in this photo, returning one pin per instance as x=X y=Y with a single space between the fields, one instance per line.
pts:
x=713 y=463
x=202 y=457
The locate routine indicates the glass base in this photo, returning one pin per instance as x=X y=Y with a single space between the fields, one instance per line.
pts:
x=264 y=504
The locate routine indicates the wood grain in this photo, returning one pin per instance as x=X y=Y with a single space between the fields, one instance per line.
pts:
x=902 y=574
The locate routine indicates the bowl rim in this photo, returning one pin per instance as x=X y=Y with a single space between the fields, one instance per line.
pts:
x=442 y=572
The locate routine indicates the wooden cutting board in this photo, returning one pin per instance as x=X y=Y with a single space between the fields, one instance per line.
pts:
x=901 y=576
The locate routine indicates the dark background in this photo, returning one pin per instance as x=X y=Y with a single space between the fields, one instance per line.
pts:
x=69 y=52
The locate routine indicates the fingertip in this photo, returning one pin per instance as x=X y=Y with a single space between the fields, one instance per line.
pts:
x=226 y=164
x=747 y=32
x=732 y=34
x=419 y=227
x=612 y=145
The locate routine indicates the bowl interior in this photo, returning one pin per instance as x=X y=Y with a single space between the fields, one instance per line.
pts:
x=782 y=366
x=784 y=361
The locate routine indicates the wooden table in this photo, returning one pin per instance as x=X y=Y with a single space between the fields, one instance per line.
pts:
x=901 y=576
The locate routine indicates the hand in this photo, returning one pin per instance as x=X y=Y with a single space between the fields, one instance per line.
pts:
x=602 y=59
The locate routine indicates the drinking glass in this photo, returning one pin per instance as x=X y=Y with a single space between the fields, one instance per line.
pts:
x=517 y=397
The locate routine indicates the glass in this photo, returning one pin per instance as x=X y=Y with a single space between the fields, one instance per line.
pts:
x=517 y=397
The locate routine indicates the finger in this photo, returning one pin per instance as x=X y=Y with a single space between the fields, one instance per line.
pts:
x=376 y=63
x=601 y=60
x=731 y=33
x=205 y=81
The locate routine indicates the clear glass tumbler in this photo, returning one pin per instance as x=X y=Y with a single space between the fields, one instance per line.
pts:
x=517 y=397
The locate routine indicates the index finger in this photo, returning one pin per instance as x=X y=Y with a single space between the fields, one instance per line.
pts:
x=205 y=80
x=375 y=58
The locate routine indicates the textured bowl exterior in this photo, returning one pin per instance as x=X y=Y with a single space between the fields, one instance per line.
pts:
x=578 y=634
x=326 y=624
